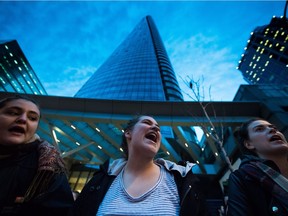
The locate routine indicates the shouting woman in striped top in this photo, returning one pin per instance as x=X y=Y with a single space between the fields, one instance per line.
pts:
x=139 y=184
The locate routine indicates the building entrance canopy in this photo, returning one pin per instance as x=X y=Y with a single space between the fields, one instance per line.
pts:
x=89 y=130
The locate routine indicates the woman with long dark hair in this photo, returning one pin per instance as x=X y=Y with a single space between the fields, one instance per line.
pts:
x=260 y=185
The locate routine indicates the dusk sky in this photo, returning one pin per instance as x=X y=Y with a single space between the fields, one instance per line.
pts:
x=66 y=41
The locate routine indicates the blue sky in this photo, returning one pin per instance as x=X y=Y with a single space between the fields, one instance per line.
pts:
x=66 y=41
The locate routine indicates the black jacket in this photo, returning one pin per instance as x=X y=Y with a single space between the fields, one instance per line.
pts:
x=191 y=200
x=249 y=195
x=17 y=170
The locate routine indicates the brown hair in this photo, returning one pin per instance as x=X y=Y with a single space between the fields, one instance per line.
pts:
x=130 y=125
x=241 y=134
x=4 y=101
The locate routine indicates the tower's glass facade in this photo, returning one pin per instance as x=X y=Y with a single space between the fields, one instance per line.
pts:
x=16 y=74
x=265 y=60
x=139 y=69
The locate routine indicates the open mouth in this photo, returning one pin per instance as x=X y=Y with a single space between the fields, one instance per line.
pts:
x=151 y=136
x=17 y=129
x=275 y=138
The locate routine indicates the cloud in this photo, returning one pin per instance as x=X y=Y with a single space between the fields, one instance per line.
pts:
x=200 y=56
x=73 y=79
x=62 y=38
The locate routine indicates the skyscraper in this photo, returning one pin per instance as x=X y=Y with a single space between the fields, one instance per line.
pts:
x=265 y=60
x=16 y=74
x=139 y=69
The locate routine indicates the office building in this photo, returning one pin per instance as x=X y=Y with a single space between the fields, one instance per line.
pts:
x=139 y=69
x=16 y=74
x=265 y=60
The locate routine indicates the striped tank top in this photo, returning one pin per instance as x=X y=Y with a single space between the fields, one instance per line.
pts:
x=161 y=199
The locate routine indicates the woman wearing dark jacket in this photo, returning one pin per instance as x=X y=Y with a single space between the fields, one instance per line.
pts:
x=32 y=173
x=140 y=185
x=260 y=185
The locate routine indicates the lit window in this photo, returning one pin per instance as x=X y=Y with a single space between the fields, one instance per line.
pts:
x=6 y=47
x=15 y=62
x=2 y=80
x=11 y=54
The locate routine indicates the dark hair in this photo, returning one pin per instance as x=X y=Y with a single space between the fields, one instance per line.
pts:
x=241 y=134
x=4 y=101
x=130 y=125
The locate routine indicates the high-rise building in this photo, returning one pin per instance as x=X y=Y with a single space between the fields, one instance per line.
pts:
x=16 y=74
x=139 y=69
x=265 y=60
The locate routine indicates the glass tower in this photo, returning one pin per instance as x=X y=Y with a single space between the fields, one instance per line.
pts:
x=265 y=60
x=16 y=74
x=139 y=69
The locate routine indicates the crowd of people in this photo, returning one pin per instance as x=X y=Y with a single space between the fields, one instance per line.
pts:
x=34 y=179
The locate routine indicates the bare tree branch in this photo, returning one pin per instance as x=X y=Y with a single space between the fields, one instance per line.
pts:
x=198 y=94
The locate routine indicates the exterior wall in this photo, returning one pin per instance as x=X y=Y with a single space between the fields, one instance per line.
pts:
x=274 y=99
x=16 y=74
x=265 y=60
x=139 y=69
